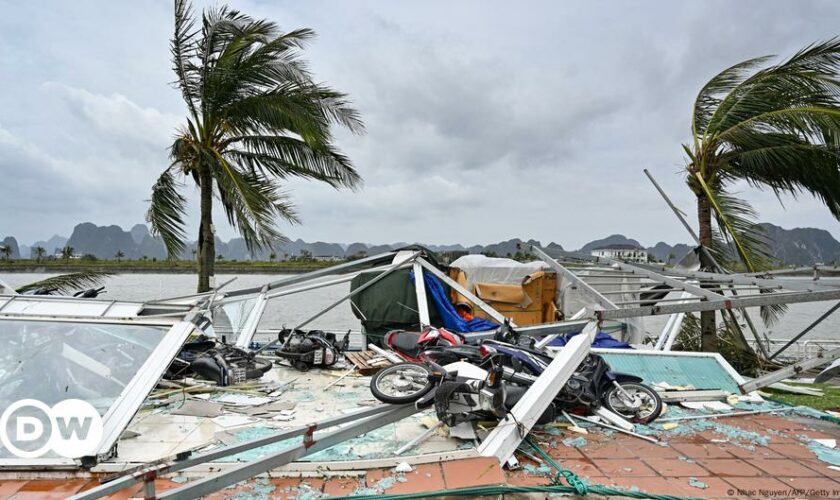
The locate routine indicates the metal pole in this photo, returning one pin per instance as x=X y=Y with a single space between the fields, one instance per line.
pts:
x=714 y=262
x=505 y=438
x=789 y=371
x=583 y=286
x=168 y=468
x=543 y=342
x=335 y=304
x=676 y=210
x=309 y=446
x=722 y=415
x=337 y=269
x=617 y=429
x=420 y=290
x=419 y=439
x=806 y=330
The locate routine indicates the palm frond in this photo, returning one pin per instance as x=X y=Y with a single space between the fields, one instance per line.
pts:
x=166 y=213
x=736 y=222
x=285 y=157
x=182 y=47
x=253 y=204
x=710 y=99
x=68 y=283
x=737 y=228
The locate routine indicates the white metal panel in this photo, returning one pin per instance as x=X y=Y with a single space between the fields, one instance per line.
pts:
x=505 y=438
x=47 y=306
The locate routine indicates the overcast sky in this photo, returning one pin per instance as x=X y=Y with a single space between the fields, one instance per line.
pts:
x=486 y=120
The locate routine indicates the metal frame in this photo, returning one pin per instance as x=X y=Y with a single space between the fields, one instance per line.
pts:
x=791 y=370
x=577 y=282
x=243 y=339
x=806 y=330
x=420 y=291
x=126 y=405
x=150 y=473
x=337 y=269
x=716 y=356
x=671 y=330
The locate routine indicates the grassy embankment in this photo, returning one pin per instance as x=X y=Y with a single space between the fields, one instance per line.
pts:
x=157 y=266
x=831 y=400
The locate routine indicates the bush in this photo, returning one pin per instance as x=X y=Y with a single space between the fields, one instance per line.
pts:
x=730 y=345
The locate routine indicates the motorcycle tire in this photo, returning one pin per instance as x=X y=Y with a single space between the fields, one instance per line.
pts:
x=393 y=385
x=653 y=407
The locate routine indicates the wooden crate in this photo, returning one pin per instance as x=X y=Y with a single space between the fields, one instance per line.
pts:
x=367 y=362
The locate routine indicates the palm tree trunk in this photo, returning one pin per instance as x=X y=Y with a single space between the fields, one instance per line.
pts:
x=206 y=241
x=708 y=326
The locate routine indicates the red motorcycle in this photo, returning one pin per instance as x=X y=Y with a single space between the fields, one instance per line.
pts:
x=409 y=345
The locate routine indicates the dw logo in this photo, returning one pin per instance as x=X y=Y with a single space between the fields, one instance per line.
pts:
x=71 y=428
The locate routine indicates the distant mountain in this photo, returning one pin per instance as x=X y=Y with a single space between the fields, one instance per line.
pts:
x=52 y=245
x=666 y=253
x=11 y=243
x=800 y=246
x=803 y=245
x=614 y=239
x=139 y=232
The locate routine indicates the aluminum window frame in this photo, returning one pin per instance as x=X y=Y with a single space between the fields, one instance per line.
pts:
x=135 y=392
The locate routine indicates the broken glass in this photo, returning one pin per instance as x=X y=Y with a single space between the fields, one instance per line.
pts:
x=51 y=361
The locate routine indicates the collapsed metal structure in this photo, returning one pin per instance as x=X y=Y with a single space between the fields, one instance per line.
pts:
x=598 y=289
x=590 y=277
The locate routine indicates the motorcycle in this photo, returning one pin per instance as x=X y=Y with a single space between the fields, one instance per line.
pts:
x=460 y=391
x=592 y=385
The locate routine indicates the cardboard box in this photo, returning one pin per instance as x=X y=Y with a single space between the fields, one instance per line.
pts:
x=530 y=303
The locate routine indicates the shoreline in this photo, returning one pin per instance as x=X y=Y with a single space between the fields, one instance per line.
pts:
x=152 y=269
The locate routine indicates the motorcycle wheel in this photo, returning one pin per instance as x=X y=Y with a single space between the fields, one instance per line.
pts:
x=401 y=383
x=648 y=410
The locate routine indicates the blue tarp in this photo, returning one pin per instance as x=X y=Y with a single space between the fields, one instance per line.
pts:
x=602 y=339
x=451 y=320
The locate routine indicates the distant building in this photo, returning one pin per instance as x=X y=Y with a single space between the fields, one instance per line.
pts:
x=626 y=253
x=327 y=258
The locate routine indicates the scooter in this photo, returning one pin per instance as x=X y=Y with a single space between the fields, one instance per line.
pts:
x=460 y=391
x=592 y=385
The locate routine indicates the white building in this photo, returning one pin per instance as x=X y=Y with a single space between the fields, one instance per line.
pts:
x=626 y=253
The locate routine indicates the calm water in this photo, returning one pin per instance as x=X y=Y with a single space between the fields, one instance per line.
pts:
x=292 y=309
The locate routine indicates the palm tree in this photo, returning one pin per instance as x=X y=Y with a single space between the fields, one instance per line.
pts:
x=256 y=118
x=774 y=127
x=6 y=251
x=119 y=255
x=67 y=252
x=39 y=252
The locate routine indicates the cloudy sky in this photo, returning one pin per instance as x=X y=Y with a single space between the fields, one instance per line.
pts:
x=486 y=120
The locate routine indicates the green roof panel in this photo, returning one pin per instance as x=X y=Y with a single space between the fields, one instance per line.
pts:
x=702 y=372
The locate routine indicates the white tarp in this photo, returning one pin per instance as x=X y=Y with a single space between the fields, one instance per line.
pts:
x=482 y=269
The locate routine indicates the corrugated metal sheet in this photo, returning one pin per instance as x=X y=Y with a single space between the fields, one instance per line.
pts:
x=701 y=372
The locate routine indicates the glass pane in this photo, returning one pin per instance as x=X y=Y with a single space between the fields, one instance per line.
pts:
x=230 y=317
x=53 y=361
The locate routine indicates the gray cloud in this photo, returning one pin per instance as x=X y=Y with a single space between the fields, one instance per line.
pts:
x=486 y=120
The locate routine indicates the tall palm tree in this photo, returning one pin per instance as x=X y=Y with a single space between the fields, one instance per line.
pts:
x=773 y=127
x=39 y=252
x=119 y=255
x=6 y=252
x=255 y=118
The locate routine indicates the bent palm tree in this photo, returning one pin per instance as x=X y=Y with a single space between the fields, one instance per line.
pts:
x=256 y=118
x=775 y=127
